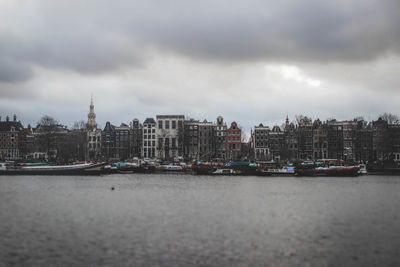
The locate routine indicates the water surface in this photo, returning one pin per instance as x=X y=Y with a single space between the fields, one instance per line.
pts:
x=184 y=220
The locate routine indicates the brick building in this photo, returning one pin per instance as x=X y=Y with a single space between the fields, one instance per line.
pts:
x=233 y=142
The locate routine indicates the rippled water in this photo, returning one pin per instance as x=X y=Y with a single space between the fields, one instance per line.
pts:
x=184 y=220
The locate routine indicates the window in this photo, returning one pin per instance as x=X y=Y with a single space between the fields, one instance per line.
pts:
x=173 y=124
x=145 y=131
x=160 y=124
x=153 y=131
x=166 y=124
x=173 y=142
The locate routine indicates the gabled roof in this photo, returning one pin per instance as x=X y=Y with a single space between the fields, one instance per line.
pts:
x=276 y=129
x=5 y=126
x=149 y=120
x=109 y=126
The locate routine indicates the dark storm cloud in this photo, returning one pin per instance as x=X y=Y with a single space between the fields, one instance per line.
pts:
x=286 y=31
x=98 y=36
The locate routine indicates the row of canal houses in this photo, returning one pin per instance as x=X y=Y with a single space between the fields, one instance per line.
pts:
x=351 y=141
x=167 y=137
x=174 y=137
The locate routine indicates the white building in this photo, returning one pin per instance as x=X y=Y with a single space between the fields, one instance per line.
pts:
x=149 y=138
x=260 y=142
x=169 y=133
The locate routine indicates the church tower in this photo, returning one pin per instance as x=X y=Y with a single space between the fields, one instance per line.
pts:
x=93 y=135
x=91 y=124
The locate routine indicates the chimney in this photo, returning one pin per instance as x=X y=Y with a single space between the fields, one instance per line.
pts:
x=15 y=118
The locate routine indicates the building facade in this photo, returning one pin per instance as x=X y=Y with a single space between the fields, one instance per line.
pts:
x=350 y=129
x=320 y=140
x=220 y=139
x=305 y=139
x=260 y=142
x=108 y=141
x=364 y=151
x=169 y=136
x=191 y=140
x=276 y=143
x=12 y=139
x=233 y=142
x=206 y=142
x=380 y=140
x=136 y=138
x=291 y=141
x=149 y=139
x=122 y=142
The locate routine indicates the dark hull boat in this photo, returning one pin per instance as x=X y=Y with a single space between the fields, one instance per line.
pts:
x=202 y=169
x=78 y=169
x=384 y=168
x=128 y=168
x=337 y=171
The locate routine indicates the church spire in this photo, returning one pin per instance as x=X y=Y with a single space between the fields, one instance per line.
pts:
x=91 y=124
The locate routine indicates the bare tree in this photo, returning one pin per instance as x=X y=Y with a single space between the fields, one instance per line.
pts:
x=390 y=118
x=47 y=127
x=162 y=147
x=303 y=120
x=47 y=121
x=359 y=118
x=244 y=137
x=79 y=125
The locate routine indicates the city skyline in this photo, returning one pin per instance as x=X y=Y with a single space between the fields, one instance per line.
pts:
x=101 y=125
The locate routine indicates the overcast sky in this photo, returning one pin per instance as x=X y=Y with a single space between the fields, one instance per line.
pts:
x=249 y=61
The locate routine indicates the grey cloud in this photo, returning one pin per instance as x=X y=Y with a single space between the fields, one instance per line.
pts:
x=13 y=71
x=296 y=31
x=97 y=36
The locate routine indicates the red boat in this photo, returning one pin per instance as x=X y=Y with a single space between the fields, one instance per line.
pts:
x=201 y=168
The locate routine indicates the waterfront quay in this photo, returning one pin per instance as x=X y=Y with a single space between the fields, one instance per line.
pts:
x=185 y=220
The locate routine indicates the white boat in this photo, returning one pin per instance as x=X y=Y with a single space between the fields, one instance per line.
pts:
x=363 y=169
x=175 y=168
x=285 y=171
x=224 y=172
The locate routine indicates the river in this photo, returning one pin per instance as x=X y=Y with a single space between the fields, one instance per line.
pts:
x=185 y=220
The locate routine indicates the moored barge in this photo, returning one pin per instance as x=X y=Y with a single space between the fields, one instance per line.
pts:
x=8 y=168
